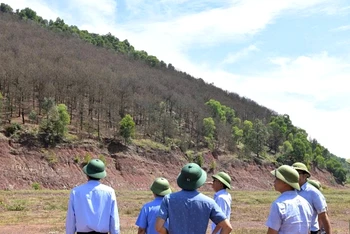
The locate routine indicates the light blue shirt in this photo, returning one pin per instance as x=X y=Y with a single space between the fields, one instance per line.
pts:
x=148 y=215
x=317 y=202
x=189 y=212
x=92 y=207
x=290 y=214
x=223 y=199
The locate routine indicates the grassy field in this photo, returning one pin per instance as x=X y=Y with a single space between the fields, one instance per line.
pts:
x=43 y=211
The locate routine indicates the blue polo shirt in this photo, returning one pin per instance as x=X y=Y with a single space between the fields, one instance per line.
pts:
x=148 y=215
x=290 y=213
x=189 y=212
x=316 y=200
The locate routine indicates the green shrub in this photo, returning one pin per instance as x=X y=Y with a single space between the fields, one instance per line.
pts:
x=16 y=206
x=103 y=159
x=36 y=186
x=213 y=165
x=200 y=159
x=51 y=157
x=11 y=129
x=33 y=116
x=76 y=159
x=87 y=158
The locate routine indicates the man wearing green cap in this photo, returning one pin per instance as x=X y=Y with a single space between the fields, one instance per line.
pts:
x=289 y=213
x=221 y=182
x=188 y=210
x=147 y=218
x=315 y=183
x=315 y=198
x=92 y=207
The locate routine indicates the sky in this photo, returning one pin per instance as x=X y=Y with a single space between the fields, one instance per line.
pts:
x=291 y=56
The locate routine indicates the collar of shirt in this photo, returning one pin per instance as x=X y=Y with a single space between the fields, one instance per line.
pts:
x=303 y=187
x=93 y=182
x=218 y=193
x=158 y=198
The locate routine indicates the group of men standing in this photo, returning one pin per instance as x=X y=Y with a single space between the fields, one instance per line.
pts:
x=299 y=209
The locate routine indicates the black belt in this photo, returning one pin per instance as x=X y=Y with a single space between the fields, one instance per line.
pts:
x=92 y=232
x=315 y=232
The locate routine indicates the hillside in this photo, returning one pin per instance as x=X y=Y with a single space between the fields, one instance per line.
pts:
x=61 y=87
x=128 y=167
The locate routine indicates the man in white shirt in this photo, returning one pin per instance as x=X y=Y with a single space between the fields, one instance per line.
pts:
x=290 y=213
x=92 y=206
x=222 y=181
x=315 y=198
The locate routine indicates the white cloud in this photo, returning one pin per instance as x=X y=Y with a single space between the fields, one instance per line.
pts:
x=342 y=28
x=234 y=57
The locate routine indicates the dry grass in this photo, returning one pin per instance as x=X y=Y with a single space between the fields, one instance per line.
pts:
x=43 y=211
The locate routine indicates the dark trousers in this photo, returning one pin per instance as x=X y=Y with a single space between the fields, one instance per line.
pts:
x=91 y=232
x=315 y=232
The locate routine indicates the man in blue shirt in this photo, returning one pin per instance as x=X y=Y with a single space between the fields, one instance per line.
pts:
x=315 y=198
x=188 y=210
x=221 y=182
x=92 y=206
x=147 y=218
x=289 y=213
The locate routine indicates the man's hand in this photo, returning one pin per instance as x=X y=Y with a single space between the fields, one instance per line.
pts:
x=225 y=227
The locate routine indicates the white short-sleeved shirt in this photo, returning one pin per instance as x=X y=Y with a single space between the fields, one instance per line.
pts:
x=316 y=200
x=290 y=214
x=223 y=199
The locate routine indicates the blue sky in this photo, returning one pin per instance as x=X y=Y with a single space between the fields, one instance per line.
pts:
x=292 y=56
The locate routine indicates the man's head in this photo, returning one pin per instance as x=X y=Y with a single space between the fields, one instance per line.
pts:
x=287 y=178
x=95 y=169
x=304 y=173
x=221 y=181
x=160 y=187
x=191 y=177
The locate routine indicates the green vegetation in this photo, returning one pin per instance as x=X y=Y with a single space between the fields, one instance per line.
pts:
x=103 y=159
x=53 y=128
x=149 y=144
x=127 y=128
x=50 y=157
x=87 y=158
x=36 y=186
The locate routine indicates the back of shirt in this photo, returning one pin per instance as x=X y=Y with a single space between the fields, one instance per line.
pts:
x=92 y=207
x=316 y=200
x=290 y=214
x=148 y=215
x=189 y=212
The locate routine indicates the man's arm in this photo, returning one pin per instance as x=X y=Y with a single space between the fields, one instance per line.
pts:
x=323 y=217
x=141 y=231
x=225 y=227
x=114 y=223
x=271 y=231
x=160 y=226
x=216 y=230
